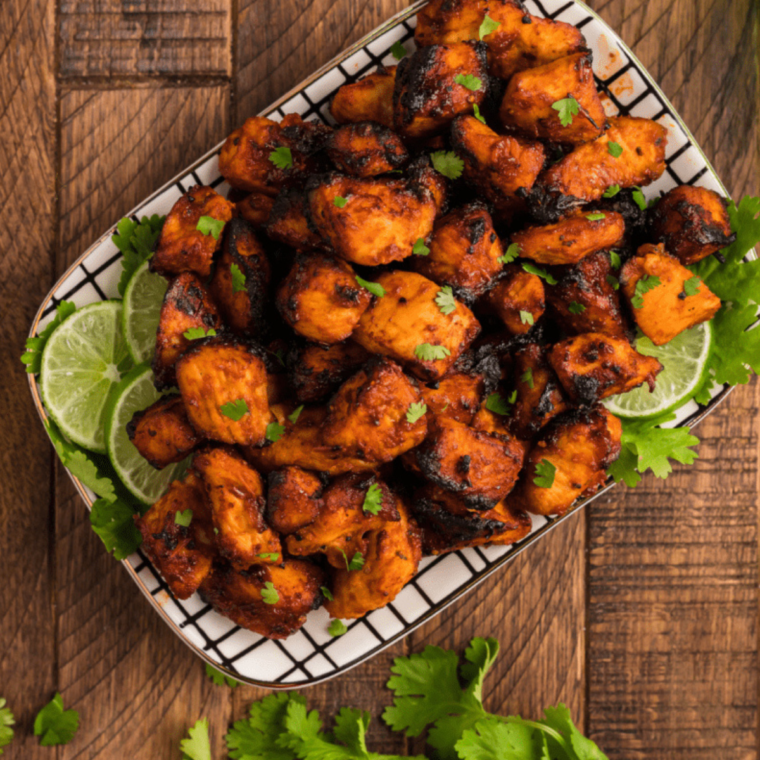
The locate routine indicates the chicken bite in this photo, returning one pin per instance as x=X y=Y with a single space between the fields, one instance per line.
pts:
x=321 y=298
x=369 y=415
x=223 y=382
x=182 y=553
x=368 y=99
x=569 y=459
x=182 y=247
x=518 y=299
x=456 y=395
x=255 y=209
x=271 y=600
x=366 y=149
x=294 y=499
x=316 y=370
x=289 y=221
x=162 y=433
x=594 y=366
x=692 y=222
x=187 y=306
x=665 y=297
x=408 y=326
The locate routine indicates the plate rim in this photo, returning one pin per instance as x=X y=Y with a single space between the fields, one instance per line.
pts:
x=435 y=610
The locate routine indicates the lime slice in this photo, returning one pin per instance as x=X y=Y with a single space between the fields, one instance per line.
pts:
x=82 y=360
x=133 y=394
x=142 y=307
x=684 y=362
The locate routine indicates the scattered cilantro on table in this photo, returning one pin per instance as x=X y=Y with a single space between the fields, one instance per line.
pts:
x=6 y=721
x=54 y=725
x=136 y=241
x=219 y=678
x=197 y=746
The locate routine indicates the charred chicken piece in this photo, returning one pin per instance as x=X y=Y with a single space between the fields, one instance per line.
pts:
x=317 y=370
x=182 y=247
x=182 y=554
x=369 y=99
x=594 y=366
x=579 y=445
x=366 y=149
x=187 y=305
x=255 y=209
x=294 y=499
x=275 y=611
x=663 y=304
x=692 y=222
x=162 y=433
x=518 y=299
x=456 y=396
x=289 y=221
x=408 y=326
x=223 y=382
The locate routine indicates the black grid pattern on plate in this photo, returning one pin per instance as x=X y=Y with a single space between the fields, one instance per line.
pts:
x=298 y=671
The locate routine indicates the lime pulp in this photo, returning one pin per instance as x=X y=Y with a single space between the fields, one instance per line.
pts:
x=143 y=298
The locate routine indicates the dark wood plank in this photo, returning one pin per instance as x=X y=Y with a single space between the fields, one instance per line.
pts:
x=136 y=685
x=27 y=213
x=138 y=38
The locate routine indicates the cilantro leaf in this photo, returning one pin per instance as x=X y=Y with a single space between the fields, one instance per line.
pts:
x=419 y=248
x=611 y=191
x=281 y=157
x=596 y=216
x=374 y=287
x=527 y=377
x=545 y=472
x=566 y=108
x=638 y=197
x=271 y=556
x=256 y=738
x=197 y=745
x=691 y=286
x=576 y=308
x=490 y=739
x=476 y=113
x=340 y=201
x=183 y=518
x=269 y=593
x=6 y=721
x=54 y=724
x=274 y=431
x=337 y=628
x=356 y=563
x=196 y=333
x=32 y=357
x=207 y=225
x=373 y=499
x=613 y=281
x=526 y=317
x=136 y=241
x=615 y=259
x=429 y=353
x=238 y=279
x=558 y=718
x=470 y=81
x=512 y=252
x=398 y=51
x=487 y=26
x=448 y=163
x=542 y=273
x=112 y=522
x=219 y=678
x=416 y=410
x=326 y=593
x=234 y=410
x=446 y=301
x=614 y=149
x=296 y=414
x=496 y=404
x=644 y=285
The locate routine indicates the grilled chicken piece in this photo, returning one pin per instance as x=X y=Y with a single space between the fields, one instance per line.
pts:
x=518 y=299
x=368 y=416
x=692 y=222
x=655 y=285
x=498 y=166
x=321 y=298
x=407 y=325
x=456 y=396
x=294 y=499
x=391 y=559
x=162 y=433
x=572 y=238
x=221 y=379
x=236 y=495
x=539 y=395
x=301 y=445
x=186 y=305
x=366 y=149
x=182 y=247
x=521 y=41
x=580 y=445
x=182 y=554
x=585 y=300
x=274 y=611
x=480 y=467
x=242 y=301
x=341 y=527
x=464 y=251
x=255 y=209
x=369 y=99
x=448 y=525
x=436 y=84
x=316 y=370
x=530 y=96
x=594 y=366
x=289 y=221
x=374 y=221
x=245 y=159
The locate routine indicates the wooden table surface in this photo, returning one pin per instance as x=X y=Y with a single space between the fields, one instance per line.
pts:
x=640 y=613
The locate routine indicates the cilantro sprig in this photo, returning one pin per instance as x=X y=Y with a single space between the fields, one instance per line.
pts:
x=32 y=357
x=373 y=500
x=566 y=109
x=54 y=725
x=6 y=721
x=136 y=240
x=448 y=163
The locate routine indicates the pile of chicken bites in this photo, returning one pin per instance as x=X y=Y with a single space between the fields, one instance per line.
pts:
x=408 y=321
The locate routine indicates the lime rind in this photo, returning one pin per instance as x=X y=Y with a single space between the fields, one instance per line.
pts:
x=81 y=362
x=143 y=298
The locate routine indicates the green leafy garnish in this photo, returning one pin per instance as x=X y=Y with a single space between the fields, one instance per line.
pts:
x=487 y=26
x=398 y=51
x=512 y=252
x=54 y=724
x=375 y=288
x=638 y=197
x=542 y=273
x=183 y=518
x=615 y=259
x=691 y=286
x=326 y=593
x=419 y=248
x=355 y=563
x=136 y=241
x=527 y=377
x=112 y=522
x=6 y=721
x=429 y=353
x=611 y=191
x=644 y=285
x=445 y=300
x=296 y=414
x=416 y=410
x=281 y=157
x=234 y=410
x=526 y=317
x=270 y=556
x=496 y=404
x=269 y=593
x=566 y=108
x=448 y=163
x=256 y=738
x=476 y=113
x=614 y=149
x=595 y=217
x=197 y=746
x=219 y=678
x=32 y=357
x=545 y=472
x=373 y=500
x=274 y=431
x=207 y=225
x=337 y=628
x=238 y=279
x=613 y=281
x=340 y=201
x=576 y=308
x=470 y=81
x=196 y=333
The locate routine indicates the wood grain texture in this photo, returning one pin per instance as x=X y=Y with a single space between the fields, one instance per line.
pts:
x=27 y=214
x=138 y=38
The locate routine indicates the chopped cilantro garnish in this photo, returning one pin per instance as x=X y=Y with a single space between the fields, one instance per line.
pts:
x=373 y=500
x=496 y=404
x=643 y=285
x=487 y=26
x=470 y=81
x=476 y=113
x=340 y=201
x=234 y=410
x=281 y=157
x=638 y=197
x=196 y=333
x=542 y=273
x=691 y=286
x=207 y=225
x=526 y=317
x=274 y=431
x=445 y=300
x=269 y=593
x=611 y=191
x=448 y=163
x=419 y=248
x=545 y=472
x=293 y=417
x=430 y=353
x=595 y=217
x=183 y=518
x=614 y=149
x=238 y=279
x=527 y=377
x=375 y=288
x=512 y=252
x=398 y=51
x=566 y=108
x=337 y=628
x=576 y=308
x=416 y=410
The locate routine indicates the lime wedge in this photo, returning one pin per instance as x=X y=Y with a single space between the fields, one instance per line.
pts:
x=142 y=307
x=133 y=394
x=82 y=360
x=684 y=361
